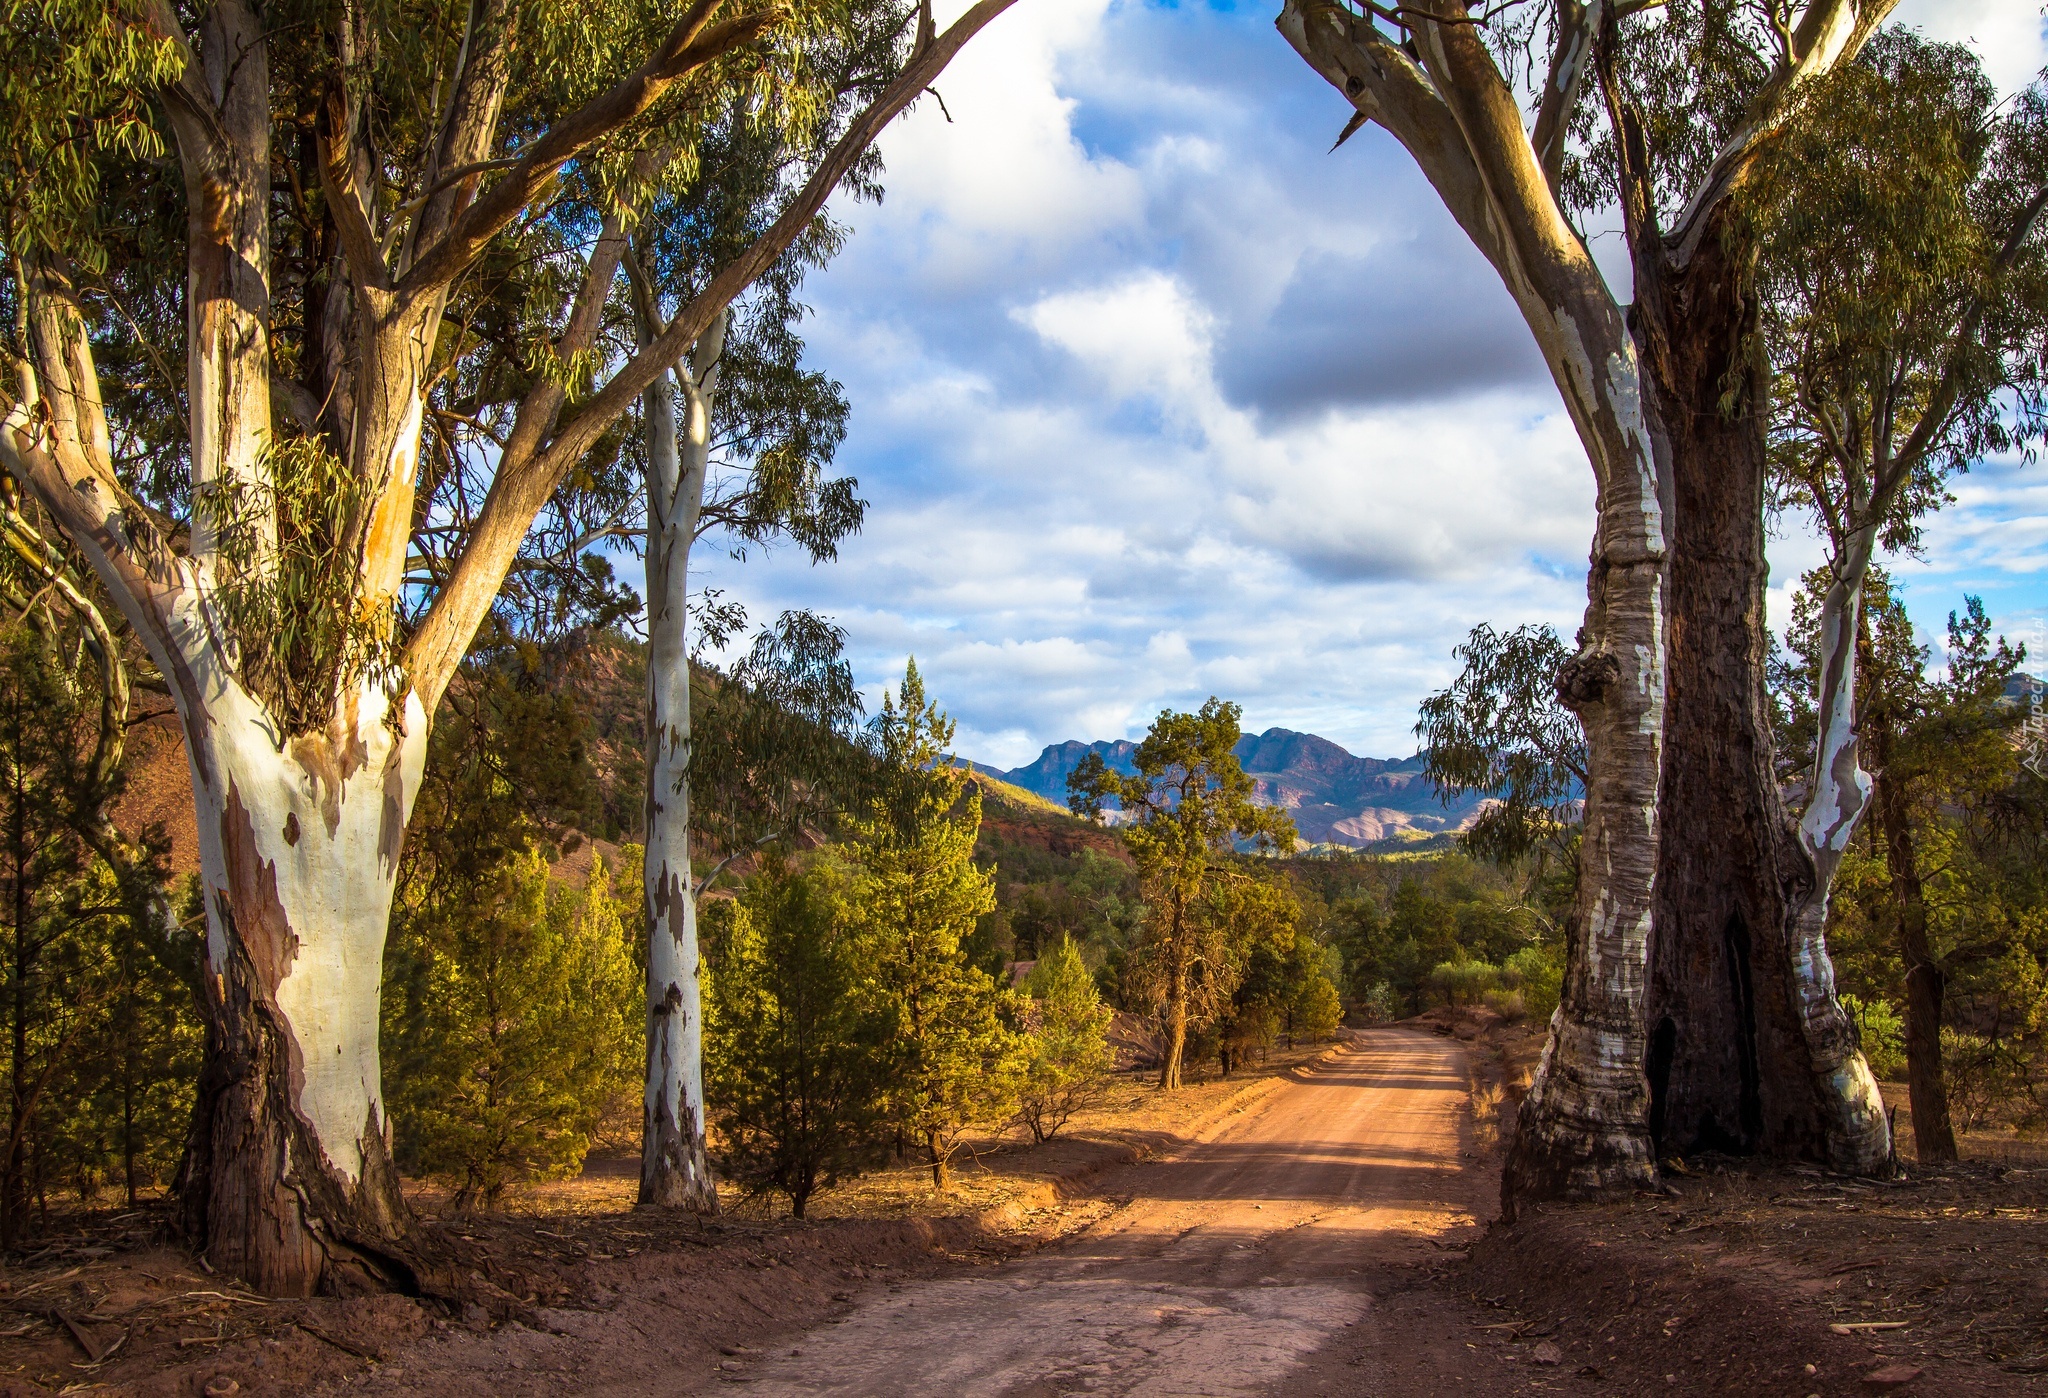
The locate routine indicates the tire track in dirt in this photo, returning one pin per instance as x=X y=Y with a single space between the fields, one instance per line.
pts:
x=1228 y=1267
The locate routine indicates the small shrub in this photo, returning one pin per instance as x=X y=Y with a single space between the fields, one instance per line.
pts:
x=1066 y=1046
x=1882 y=1032
x=1987 y=1079
x=1377 y=1005
x=1507 y=1004
x=1463 y=982
x=1317 y=1009
x=514 y=1022
x=796 y=1051
x=1538 y=974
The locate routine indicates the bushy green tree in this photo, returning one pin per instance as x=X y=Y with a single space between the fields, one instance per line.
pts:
x=1499 y=731
x=1537 y=975
x=918 y=897
x=797 y=1037
x=1066 y=1048
x=102 y=1039
x=1189 y=802
x=1316 y=1010
x=517 y=1029
x=1932 y=907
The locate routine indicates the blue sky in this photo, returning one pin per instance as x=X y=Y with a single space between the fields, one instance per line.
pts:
x=1155 y=398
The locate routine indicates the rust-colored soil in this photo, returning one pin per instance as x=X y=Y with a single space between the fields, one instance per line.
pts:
x=1314 y=1228
x=617 y=1299
x=1730 y=1282
x=1732 y=1286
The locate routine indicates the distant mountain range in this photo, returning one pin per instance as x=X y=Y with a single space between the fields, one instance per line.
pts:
x=1334 y=797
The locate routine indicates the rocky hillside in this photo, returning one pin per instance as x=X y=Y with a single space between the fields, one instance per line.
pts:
x=1335 y=797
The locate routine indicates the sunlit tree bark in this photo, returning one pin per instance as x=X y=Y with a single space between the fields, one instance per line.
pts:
x=305 y=711
x=1642 y=385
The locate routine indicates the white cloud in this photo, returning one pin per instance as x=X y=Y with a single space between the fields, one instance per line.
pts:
x=2008 y=35
x=1156 y=398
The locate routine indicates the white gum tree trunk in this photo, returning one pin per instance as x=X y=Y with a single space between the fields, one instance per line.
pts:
x=298 y=853
x=288 y=1178
x=1583 y=1126
x=674 y=1168
x=288 y=1173
x=1859 y=1139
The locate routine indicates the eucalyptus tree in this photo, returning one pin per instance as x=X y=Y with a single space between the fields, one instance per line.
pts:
x=1187 y=802
x=1942 y=758
x=736 y=439
x=1668 y=678
x=359 y=201
x=1499 y=731
x=1904 y=272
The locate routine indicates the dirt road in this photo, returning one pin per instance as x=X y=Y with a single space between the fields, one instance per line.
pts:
x=1247 y=1263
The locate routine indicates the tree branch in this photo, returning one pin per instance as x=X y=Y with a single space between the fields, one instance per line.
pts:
x=523 y=486
x=691 y=44
x=1577 y=31
x=1830 y=33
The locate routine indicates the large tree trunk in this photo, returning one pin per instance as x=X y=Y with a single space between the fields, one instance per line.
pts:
x=675 y=1169
x=288 y=1181
x=1748 y=1048
x=1584 y=1126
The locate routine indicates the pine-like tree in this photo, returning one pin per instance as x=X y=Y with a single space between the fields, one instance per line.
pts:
x=1067 y=1053
x=797 y=1041
x=515 y=1030
x=1191 y=801
x=955 y=1060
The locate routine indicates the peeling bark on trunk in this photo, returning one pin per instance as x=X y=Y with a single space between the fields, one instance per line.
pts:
x=288 y=1182
x=1582 y=1130
x=1585 y=1126
x=675 y=1169
x=1751 y=1050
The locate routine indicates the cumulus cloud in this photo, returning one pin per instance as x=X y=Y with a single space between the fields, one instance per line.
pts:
x=1155 y=397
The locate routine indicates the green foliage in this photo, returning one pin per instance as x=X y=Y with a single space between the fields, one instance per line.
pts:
x=1393 y=921
x=1377 y=1004
x=102 y=1032
x=1537 y=976
x=775 y=742
x=796 y=1036
x=512 y=1004
x=74 y=100
x=1881 y=1032
x=307 y=633
x=513 y=1025
x=1283 y=989
x=1905 y=284
x=1500 y=731
x=1947 y=871
x=1463 y=982
x=1316 y=1010
x=1066 y=1050
x=1188 y=802
x=918 y=896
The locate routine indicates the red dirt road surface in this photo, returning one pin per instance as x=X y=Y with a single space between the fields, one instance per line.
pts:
x=1246 y=1263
